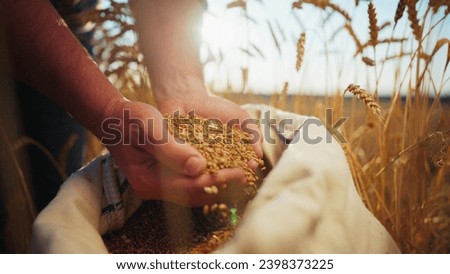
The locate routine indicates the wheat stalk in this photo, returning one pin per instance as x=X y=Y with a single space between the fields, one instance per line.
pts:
x=437 y=145
x=373 y=28
x=367 y=99
x=340 y=10
x=397 y=56
x=300 y=51
x=274 y=37
x=359 y=46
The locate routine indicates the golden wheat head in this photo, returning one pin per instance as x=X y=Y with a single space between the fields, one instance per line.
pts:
x=300 y=51
x=365 y=97
x=373 y=28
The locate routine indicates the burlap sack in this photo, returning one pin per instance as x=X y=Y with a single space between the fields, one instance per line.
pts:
x=307 y=204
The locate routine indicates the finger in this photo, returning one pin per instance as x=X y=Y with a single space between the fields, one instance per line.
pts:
x=224 y=176
x=253 y=164
x=190 y=191
x=256 y=139
x=230 y=191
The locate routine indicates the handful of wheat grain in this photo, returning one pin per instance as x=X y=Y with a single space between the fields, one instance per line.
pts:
x=221 y=145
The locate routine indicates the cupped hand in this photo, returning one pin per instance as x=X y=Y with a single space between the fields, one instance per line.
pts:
x=158 y=166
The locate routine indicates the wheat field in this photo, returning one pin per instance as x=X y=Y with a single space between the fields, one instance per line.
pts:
x=397 y=145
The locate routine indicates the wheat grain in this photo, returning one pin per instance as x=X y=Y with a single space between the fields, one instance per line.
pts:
x=213 y=207
x=373 y=28
x=205 y=210
x=366 y=98
x=223 y=207
x=300 y=51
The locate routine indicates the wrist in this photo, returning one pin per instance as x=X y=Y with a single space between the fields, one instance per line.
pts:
x=178 y=91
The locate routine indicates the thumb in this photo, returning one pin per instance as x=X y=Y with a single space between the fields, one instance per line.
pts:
x=174 y=153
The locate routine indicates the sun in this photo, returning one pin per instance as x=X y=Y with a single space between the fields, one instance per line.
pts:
x=220 y=32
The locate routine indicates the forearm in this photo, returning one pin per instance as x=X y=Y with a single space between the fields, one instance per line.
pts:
x=169 y=38
x=47 y=56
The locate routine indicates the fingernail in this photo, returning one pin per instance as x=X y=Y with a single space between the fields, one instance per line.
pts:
x=194 y=166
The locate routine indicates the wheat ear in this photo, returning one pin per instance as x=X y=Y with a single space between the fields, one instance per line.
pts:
x=300 y=51
x=412 y=16
x=373 y=28
x=400 y=10
x=365 y=97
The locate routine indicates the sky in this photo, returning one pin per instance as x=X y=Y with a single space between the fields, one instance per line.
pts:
x=328 y=65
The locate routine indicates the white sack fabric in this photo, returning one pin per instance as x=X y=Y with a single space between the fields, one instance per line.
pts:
x=307 y=204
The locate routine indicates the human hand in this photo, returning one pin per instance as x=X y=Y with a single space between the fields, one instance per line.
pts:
x=155 y=164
